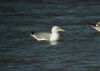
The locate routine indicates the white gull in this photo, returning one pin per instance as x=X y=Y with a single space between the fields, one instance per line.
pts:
x=53 y=36
x=96 y=26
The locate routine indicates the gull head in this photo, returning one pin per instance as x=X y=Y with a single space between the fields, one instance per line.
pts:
x=57 y=29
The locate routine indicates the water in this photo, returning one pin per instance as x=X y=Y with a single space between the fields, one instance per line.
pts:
x=78 y=51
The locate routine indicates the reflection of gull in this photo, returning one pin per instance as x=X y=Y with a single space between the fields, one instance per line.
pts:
x=54 y=43
x=96 y=26
x=53 y=36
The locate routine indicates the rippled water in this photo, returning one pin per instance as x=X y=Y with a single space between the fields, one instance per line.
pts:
x=78 y=51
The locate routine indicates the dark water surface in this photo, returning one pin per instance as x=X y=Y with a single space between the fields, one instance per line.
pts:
x=79 y=51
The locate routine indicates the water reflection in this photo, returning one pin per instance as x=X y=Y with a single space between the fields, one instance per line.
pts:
x=54 y=43
x=94 y=34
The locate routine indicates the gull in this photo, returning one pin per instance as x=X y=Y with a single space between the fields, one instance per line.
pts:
x=96 y=26
x=44 y=36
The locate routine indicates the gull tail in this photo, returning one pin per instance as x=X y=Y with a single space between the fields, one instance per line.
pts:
x=33 y=34
x=94 y=25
